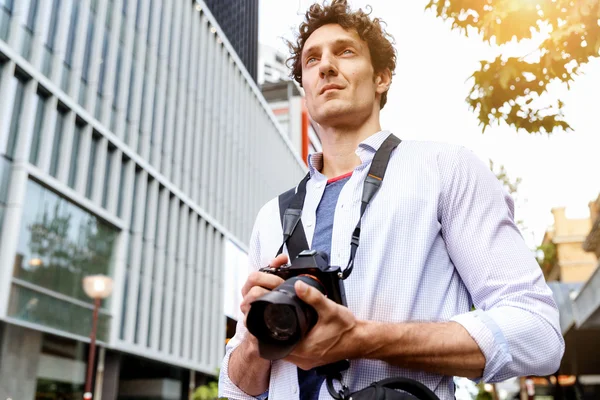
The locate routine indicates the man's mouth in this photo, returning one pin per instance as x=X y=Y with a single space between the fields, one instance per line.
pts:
x=330 y=86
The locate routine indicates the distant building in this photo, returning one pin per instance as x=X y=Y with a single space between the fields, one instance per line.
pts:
x=272 y=65
x=570 y=262
x=239 y=21
x=286 y=99
x=287 y=103
x=572 y=250
x=592 y=242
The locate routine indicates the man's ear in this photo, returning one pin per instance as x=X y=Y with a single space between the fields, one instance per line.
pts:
x=383 y=79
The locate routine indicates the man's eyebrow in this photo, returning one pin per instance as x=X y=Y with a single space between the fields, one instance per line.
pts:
x=337 y=42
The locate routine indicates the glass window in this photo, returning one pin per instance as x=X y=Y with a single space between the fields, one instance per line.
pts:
x=88 y=48
x=92 y=165
x=6 y=7
x=124 y=308
x=107 y=171
x=32 y=16
x=60 y=243
x=58 y=135
x=72 y=32
x=130 y=94
x=150 y=12
x=72 y=356
x=37 y=129
x=109 y=11
x=75 y=154
x=118 y=73
x=15 y=119
x=7 y=4
x=39 y=308
x=53 y=28
x=124 y=164
x=4 y=179
x=138 y=15
x=103 y=63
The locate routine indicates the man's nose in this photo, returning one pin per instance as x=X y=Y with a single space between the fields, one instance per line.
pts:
x=327 y=67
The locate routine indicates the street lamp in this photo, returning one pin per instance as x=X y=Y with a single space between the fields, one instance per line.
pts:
x=97 y=287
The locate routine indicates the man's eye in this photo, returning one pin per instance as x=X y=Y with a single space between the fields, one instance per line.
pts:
x=348 y=51
x=310 y=60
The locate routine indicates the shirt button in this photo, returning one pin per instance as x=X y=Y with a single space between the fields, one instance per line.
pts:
x=295 y=390
x=319 y=186
x=309 y=224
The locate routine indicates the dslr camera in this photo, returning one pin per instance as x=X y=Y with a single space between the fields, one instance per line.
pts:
x=279 y=319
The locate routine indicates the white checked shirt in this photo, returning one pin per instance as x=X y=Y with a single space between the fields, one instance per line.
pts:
x=438 y=237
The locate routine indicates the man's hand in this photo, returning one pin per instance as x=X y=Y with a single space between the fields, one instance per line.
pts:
x=247 y=370
x=259 y=283
x=336 y=336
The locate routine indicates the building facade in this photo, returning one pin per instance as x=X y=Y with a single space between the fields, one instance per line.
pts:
x=272 y=66
x=563 y=244
x=134 y=143
x=239 y=21
x=571 y=267
x=286 y=99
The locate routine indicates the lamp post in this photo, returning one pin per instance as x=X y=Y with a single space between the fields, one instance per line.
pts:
x=97 y=287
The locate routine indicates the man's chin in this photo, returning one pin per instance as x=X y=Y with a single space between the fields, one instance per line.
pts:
x=332 y=111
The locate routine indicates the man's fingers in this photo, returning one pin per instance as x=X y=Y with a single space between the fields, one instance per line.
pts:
x=278 y=261
x=268 y=281
x=253 y=294
x=310 y=295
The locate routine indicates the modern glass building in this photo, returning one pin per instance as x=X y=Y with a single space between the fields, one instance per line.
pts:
x=133 y=143
x=239 y=20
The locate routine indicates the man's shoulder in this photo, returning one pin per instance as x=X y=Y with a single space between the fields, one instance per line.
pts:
x=443 y=154
x=431 y=146
x=268 y=210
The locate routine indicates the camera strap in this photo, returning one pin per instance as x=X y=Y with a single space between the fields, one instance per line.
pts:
x=290 y=211
x=292 y=201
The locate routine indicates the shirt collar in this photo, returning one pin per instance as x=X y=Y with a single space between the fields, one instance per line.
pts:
x=366 y=151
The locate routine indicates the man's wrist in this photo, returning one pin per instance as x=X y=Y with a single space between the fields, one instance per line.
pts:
x=373 y=338
x=363 y=339
x=251 y=371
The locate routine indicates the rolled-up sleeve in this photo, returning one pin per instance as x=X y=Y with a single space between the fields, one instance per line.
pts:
x=516 y=321
x=228 y=389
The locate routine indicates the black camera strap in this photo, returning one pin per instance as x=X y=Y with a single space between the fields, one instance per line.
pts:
x=294 y=237
x=292 y=201
x=290 y=211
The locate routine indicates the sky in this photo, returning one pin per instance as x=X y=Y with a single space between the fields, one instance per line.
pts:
x=427 y=102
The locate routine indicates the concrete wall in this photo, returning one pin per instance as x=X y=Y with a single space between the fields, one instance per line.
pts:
x=19 y=359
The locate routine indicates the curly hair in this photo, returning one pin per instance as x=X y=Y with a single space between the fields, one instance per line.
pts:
x=383 y=54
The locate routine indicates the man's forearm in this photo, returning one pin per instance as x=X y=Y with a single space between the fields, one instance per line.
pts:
x=445 y=348
x=248 y=371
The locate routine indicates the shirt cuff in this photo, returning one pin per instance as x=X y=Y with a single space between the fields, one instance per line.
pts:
x=227 y=388
x=263 y=396
x=490 y=339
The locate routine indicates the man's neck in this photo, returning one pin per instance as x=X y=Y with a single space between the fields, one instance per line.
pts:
x=339 y=148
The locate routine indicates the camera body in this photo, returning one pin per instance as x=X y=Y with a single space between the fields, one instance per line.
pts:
x=279 y=319
x=314 y=264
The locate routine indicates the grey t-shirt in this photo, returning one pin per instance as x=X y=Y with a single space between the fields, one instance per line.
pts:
x=309 y=382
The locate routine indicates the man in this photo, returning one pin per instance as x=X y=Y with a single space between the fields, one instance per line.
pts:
x=438 y=238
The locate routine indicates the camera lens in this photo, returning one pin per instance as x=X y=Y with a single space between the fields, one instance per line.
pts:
x=281 y=321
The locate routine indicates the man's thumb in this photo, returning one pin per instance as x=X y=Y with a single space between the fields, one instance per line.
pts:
x=308 y=294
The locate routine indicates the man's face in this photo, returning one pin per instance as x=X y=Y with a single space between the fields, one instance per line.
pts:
x=338 y=77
